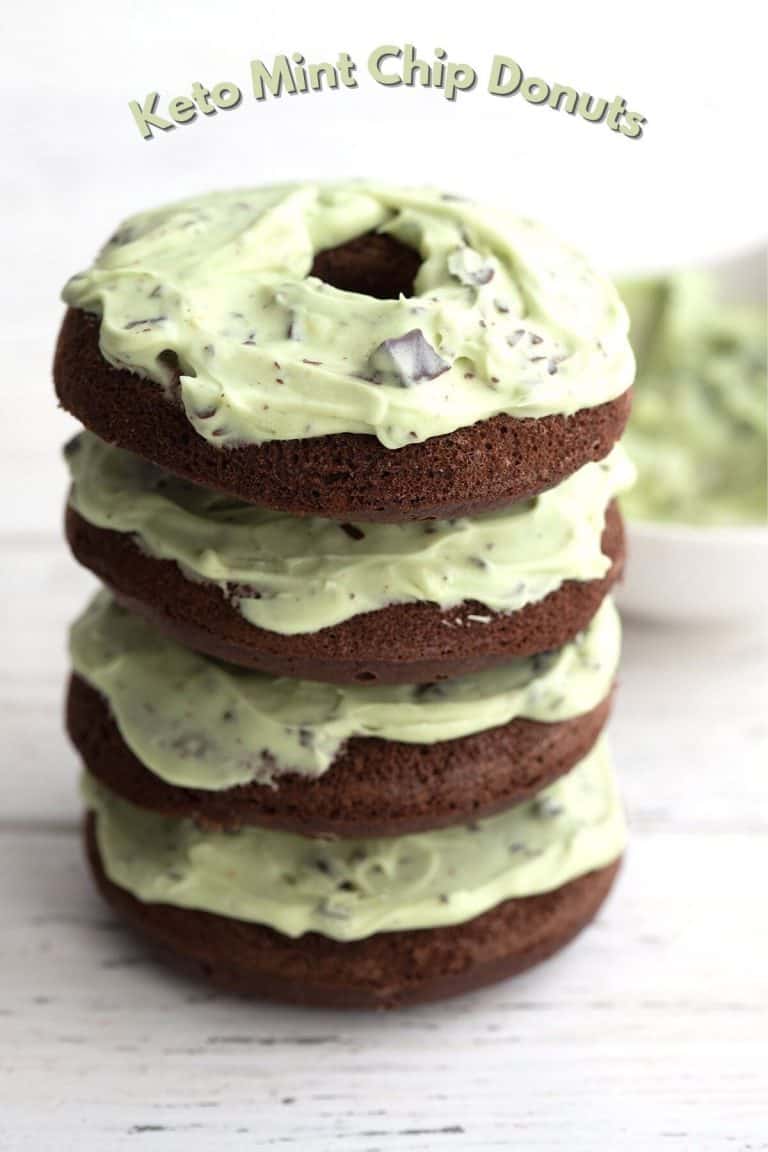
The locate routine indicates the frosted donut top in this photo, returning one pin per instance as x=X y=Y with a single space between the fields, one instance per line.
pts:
x=503 y=317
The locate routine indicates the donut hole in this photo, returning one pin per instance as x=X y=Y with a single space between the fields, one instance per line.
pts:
x=371 y=265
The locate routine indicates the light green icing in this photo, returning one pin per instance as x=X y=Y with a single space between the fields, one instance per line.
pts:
x=699 y=426
x=197 y=723
x=521 y=323
x=349 y=889
x=297 y=575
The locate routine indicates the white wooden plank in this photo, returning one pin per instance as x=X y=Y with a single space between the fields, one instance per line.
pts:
x=649 y=1031
x=41 y=589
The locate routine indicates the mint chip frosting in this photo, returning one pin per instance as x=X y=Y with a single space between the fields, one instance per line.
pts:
x=349 y=889
x=195 y=722
x=294 y=575
x=503 y=319
x=699 y=425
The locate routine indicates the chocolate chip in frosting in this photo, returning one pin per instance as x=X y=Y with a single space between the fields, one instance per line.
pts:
x=468 y=266
x=306 y=737
x=545 y=808
x=333 y=911
x=541 y=661
x=190 y=745
x=406 y=360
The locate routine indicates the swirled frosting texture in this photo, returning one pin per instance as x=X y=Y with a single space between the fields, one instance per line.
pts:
x=349 y=889
x=197 y=723
x=298 y=575
x=504 y=318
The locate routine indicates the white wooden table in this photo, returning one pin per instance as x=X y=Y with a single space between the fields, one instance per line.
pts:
x=650 y=1033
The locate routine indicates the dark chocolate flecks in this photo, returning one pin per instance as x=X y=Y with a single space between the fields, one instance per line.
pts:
x=121 y=237
x=306 y=737
x=190 y=746
x=544 y=808
x=72 y=446
x=147 y=322
x=333 y=911
x=426 y=692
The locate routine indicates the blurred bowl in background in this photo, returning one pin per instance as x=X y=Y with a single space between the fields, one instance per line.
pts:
x=676 y=572
x=687 y=573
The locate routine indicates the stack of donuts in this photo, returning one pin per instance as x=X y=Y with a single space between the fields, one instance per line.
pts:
x=348 y=478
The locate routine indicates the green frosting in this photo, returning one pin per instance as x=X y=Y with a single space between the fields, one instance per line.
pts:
x=503 y=318
x=349 y=889
x=198 y=723
x=699 y=426
x=297 y=575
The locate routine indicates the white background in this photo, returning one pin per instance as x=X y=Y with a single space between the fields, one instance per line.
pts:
x=651 y=1032
x=74 y=163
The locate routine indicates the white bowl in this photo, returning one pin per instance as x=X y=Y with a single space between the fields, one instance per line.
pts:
x=679 y=573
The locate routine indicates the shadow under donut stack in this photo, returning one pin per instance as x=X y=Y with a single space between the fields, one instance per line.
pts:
x=348 y=478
